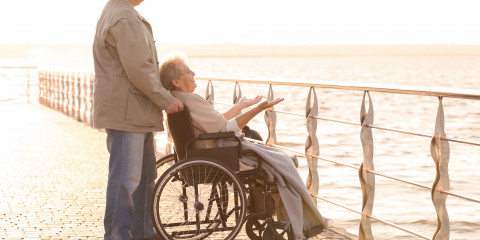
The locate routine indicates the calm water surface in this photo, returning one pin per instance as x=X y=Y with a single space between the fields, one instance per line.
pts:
x=404 y=156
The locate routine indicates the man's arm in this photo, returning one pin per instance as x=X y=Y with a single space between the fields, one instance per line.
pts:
x=136 y=56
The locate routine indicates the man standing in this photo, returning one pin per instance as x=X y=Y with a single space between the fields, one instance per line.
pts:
x=128 y=103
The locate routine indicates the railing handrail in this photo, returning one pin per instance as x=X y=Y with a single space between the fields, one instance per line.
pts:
x=372 y=87
x=18 y=67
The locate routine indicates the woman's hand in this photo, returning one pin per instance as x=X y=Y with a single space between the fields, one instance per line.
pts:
x=243 y=119
x=245 y=102
x=268 y=104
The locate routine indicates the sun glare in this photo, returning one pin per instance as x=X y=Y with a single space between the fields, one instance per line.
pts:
x=303 y=22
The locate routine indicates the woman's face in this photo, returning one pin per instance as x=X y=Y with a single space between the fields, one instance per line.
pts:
x=186 y=82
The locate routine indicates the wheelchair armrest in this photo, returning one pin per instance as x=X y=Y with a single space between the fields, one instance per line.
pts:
x=219 y=135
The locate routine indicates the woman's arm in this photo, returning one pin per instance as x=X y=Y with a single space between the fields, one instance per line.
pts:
x=243 y=103
x=243 y=119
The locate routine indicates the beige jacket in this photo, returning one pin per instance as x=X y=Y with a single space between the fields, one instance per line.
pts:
x=128 y=95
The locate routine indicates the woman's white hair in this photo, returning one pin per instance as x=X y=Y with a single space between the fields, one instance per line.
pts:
x=172 y=68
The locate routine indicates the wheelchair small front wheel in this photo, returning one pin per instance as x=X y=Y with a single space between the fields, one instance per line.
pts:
x=198 y=198
x=278 y=230
x=255 y=227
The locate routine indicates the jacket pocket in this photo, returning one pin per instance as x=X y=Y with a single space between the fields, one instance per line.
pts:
x=141 y=111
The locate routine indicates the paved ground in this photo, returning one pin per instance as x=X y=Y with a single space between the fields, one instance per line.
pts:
x=53 y=173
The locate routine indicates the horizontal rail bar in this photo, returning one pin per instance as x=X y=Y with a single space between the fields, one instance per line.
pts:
x=12 y=67
x=423 y=186
x=372 y=217
x=423 y=135
x=381 y=128
x=411 y=90
x=300 y=153
x=371 y=126
x=370 y=171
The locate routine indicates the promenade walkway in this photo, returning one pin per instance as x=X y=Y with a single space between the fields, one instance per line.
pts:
x=53 y=174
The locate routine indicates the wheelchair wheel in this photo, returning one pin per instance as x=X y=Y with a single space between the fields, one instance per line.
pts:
x=164 y=163
x=198 y=198
x=255 y=228
x=278 y=231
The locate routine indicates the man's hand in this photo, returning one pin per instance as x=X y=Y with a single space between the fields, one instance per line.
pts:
x=174 y=107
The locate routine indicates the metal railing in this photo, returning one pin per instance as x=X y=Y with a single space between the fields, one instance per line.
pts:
x=439 y=145
x=71 y=93
x=26 y=86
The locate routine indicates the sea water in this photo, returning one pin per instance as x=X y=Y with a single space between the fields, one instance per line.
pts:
x=403 y=156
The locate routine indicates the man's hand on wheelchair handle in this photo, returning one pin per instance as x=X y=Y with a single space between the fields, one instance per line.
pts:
x=174 y=107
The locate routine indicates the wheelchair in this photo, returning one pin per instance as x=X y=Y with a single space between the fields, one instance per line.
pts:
x=203 y=195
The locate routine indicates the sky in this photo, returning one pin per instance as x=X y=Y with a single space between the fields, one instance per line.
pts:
x=279 y=22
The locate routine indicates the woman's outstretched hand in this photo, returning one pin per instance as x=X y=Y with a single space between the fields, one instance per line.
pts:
x=268 y=104
x=243 y=119
x=245 y=102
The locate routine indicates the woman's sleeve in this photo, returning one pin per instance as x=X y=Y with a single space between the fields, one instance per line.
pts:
x=204 y=116
x=231 y=126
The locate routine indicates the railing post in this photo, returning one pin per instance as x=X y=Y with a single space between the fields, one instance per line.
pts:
x=71 y=94
x=62 y=93
x=28 y=86
x=67 y=94
x=440 y=150
x=271 y=120
x=53 y=92
x=367 y=179
x=90 y=100
x=237 y=93
x=56 y=89
x=311 y=145
x=84 y=101
x=210 y=93
x=40 y=86
x=48 y=87
x=79 y=97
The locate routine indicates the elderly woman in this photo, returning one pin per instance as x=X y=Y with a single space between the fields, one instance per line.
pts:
x=300 y=208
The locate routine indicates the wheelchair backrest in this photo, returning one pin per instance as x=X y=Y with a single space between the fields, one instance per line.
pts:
x=181 y=128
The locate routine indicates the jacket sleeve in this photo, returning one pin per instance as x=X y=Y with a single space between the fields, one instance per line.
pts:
x=204 y=116
x=137 y=59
